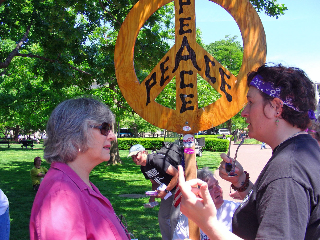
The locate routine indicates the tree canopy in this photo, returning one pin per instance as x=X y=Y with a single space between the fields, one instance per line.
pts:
x=54 y=50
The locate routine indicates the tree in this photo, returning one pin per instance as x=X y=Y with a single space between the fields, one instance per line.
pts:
x=51 y=51
x=70 y=44
x=270 y=7
x=54 y=50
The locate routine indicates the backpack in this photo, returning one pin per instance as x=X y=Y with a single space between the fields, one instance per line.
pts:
x=173 y=153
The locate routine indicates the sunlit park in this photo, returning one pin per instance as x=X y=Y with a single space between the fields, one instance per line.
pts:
x=51 y=51
x=114 y=182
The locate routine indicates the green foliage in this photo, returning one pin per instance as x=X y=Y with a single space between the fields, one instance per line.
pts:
x=211 y=136
x=228 y=52
x=64 y=47
x=212 y=144
x=216 y=145
x=138 y=125
x=206 y=93
x=148 y=143
x=270 y=7
x=167 y=97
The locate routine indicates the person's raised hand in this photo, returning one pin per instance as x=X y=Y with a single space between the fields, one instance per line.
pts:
x=196 y=202
x=239 y=174
x=161 y=194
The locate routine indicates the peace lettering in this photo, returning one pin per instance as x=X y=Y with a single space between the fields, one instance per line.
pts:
x=185 y=53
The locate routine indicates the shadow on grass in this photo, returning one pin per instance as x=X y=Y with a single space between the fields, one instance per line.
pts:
x=127 y=178
x=112 y=181
x=16 y=184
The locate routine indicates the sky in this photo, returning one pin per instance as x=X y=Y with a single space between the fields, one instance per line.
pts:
x=292 y=40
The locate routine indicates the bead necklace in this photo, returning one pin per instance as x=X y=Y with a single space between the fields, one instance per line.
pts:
x=296 y=134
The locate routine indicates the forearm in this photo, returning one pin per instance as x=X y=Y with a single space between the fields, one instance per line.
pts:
x=172 y=183
x=243 y=186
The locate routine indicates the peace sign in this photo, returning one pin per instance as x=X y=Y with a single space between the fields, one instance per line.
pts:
x=184 y=61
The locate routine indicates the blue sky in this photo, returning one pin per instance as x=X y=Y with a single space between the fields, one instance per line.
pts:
x=293 y=39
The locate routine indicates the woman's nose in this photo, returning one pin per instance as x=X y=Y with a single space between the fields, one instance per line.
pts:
x=112 y=136
x=244 y=113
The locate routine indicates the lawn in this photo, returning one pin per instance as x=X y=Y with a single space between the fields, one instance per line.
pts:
x=112 y=181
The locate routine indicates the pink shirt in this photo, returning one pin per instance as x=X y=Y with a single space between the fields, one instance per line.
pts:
x=66 y=208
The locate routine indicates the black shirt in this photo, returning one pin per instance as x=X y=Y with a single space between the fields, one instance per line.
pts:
x=284 y=201
x=156 y=168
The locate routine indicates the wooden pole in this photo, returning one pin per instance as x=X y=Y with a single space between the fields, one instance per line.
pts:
x=191 y=173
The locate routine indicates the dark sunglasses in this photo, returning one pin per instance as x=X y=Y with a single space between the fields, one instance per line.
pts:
x=105 y=128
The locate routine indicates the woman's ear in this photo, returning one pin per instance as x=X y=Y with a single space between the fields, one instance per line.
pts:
x=277 y=105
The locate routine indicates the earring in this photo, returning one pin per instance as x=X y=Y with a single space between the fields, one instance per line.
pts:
x=277 y=120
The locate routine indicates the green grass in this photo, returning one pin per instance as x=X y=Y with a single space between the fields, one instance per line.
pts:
x=248 y=141
x=112 y=181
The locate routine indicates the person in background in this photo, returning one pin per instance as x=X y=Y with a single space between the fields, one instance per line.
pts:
x=263 y=146
x=225 y=208
x=159 y=171
x=4 y=217
x=284 y=202
x=314 y=130
x=68 y=205
x=37 y=173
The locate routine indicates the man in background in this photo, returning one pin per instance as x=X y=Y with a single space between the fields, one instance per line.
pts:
x=225 y=208
x=160 y=172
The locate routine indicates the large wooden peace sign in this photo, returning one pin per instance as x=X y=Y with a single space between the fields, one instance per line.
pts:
x=184 y=60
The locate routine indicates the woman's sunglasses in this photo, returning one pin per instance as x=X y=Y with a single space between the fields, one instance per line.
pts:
x=105 y=128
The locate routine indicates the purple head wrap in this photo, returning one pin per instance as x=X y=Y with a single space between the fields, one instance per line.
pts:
x=269 y=89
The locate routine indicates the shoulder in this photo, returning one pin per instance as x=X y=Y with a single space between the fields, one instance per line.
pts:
x=61 y=178
x=58 y=190
x=156 y=159
x=296 y=155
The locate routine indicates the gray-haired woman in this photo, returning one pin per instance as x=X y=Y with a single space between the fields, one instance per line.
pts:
x=68 y=205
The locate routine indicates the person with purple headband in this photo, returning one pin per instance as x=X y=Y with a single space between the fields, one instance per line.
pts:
x=284 y=201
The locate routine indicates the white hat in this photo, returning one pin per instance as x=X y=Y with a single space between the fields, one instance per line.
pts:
x=135 y=149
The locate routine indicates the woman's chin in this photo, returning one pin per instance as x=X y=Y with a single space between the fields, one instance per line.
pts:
x=106 y=158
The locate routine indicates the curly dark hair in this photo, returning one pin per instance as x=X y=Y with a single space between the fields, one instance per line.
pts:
x=294 y=84
x=35 y=160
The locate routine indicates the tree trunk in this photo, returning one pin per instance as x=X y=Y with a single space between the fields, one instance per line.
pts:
x=16 y=132
x=229 y=125
x=114 y=152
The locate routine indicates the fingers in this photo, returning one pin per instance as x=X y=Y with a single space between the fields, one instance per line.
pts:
x=190 y=188
x=225 y=158
x=224 y=174
x=181 y=175
x=204 y=191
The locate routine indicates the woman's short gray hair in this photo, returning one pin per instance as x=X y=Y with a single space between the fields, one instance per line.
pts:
x=204 y=174
x=68 y=128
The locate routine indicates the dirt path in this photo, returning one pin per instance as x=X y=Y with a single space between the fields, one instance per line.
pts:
x=252 y=158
